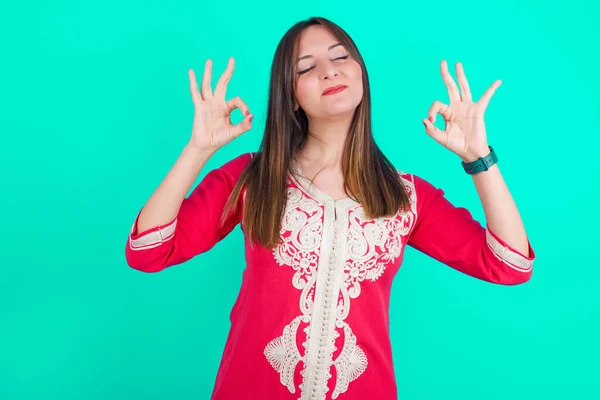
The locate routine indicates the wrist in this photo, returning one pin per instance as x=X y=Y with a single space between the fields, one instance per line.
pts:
x=475 y=154
x=200 y=155
x=481 y=163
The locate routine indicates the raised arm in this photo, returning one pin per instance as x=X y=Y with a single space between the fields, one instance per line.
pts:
x=196 y=226
x=499 y=253
x=170 y=228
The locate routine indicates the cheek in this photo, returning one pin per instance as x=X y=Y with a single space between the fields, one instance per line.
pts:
x=355 y=73
x=305 y=89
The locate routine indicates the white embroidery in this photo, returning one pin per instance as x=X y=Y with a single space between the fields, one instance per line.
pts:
x=300 y=250
x=512 y=259
x=372 y=245
x=154 y=238
x=329 y=276
x=283 y=354
x=350 y=364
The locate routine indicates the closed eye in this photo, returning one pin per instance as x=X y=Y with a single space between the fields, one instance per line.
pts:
x=341 y=58
x=308 y=69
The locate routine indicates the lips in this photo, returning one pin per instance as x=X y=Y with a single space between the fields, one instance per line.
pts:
x=334 y=89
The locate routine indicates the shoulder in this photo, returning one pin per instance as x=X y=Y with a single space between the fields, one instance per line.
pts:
x=408 y=177
x=418 y=183
x=404 y=175
x=236 y=165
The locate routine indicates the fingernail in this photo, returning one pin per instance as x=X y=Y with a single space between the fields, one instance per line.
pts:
x=250 y=118
x=246 y=113
x=424 y=124
x=431 y=119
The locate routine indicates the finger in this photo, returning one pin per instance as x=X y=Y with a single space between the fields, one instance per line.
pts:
x=485 y=99
x=465 y=90
x=436 y=133
x=244 y=126
x=437 y=107
x=221 y=87
x=453 y=93
x=194 y=87
x=206 y=90
x=237 y=102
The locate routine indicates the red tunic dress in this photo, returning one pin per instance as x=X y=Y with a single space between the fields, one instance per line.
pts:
x=311 y=318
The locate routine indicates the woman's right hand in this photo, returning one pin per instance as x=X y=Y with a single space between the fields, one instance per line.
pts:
x=212 y=127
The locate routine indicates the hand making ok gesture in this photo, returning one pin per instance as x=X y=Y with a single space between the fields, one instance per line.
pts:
x=212 y=127
x=464 y=133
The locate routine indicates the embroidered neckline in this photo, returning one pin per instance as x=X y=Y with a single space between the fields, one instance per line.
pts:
x=314 y=191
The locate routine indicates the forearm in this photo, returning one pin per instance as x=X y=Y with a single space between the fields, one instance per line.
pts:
x=501 y=213
x=166 y=200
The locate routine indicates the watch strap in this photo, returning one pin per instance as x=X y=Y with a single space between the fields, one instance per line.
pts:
x=481 y=164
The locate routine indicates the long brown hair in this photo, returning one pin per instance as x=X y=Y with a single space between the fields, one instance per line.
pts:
x=369 y=177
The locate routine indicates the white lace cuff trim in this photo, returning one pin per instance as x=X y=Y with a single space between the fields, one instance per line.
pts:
x=508 y=256
x=154 y=238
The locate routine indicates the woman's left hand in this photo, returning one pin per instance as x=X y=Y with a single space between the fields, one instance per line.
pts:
x=464 y=133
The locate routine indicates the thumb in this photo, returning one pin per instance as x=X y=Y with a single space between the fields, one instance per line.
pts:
x=243 y=126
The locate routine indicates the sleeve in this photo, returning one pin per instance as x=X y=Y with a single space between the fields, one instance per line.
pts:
x=195 y=229
x=450 y=235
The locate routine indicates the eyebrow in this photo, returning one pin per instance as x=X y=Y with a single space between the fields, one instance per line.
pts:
x=310 y=56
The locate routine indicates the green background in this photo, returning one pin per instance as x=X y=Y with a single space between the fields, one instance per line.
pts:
x=96 y=109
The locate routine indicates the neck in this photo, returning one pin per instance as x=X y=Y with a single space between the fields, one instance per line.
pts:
x=324 y=144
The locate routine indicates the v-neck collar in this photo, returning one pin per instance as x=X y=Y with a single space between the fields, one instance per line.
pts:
x=317 y=193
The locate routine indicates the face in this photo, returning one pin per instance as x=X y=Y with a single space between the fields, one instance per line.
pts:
x=322 y=64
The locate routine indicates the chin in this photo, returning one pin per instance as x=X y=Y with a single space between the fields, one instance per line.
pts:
x=340 y=109
x=340 y=103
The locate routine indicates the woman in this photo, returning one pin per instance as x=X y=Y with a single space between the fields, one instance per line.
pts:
x=326 y=218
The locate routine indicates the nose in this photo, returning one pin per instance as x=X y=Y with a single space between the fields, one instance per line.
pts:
x=328 y=70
